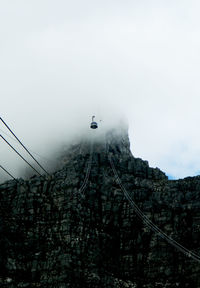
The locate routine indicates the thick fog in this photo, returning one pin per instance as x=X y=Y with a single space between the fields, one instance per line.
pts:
x=64 y=61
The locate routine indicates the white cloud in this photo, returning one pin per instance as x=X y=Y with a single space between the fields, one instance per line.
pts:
x=62 y=62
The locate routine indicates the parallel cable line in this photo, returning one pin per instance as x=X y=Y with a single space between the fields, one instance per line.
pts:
x=23 y=146
x=85 y=182
x=149 y=223
x=46 y=159
x=20 y=155
x=7 y=172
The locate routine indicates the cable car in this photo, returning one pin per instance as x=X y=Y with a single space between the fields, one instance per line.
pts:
x=93 y=123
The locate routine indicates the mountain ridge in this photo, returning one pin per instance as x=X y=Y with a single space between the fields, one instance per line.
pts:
x=56 y=234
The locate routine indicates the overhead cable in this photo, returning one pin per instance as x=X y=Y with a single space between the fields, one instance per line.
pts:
x=89 y=166
x=23 y=145
x=7 y=172
x=149 y=223
x=20 y=155
x=46 y=159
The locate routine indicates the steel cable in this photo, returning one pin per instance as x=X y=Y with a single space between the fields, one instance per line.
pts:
x=42 y=157
x=8 y=173
x=85 y=182
x=149 y=223
x=23 y=146
x=20 y=155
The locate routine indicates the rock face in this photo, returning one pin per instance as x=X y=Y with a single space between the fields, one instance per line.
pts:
x=52 y=234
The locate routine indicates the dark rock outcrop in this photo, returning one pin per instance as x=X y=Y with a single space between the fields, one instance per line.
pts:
x=52 y=236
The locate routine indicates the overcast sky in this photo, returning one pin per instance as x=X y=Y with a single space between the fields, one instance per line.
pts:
x=63 y=61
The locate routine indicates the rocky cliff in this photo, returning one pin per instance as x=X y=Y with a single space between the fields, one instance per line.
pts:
x=77 y=229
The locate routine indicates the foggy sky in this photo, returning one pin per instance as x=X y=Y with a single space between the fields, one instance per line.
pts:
x=63 y=61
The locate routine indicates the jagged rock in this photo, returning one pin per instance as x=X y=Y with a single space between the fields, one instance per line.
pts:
x=52 y=236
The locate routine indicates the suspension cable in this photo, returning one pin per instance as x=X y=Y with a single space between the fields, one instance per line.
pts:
x=20 y=155
x=89 y=166
x=23 y=146
x=45 y=158
x=148 y=222
x=8 y=173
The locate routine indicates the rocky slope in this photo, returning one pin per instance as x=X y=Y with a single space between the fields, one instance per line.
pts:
x=51 y=235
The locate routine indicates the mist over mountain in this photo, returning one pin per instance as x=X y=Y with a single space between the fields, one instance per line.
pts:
x=63 y=62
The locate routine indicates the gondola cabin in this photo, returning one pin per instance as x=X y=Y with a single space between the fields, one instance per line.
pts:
x=94 y=124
